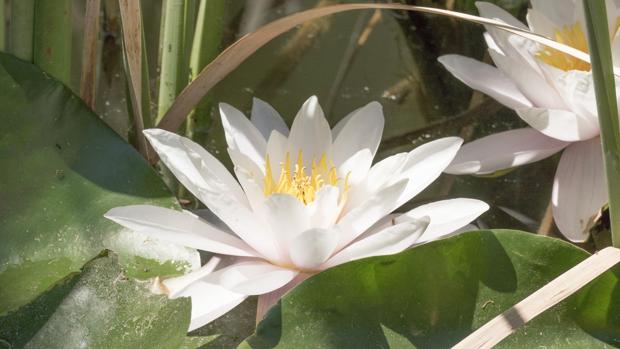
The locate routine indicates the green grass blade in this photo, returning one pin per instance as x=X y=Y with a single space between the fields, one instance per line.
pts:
x=52 y=38
x=21 y=31
x=604 y=84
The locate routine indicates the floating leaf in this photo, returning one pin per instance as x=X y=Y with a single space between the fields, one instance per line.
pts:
x=98 y=308
x=62 y=169
x=434 y=295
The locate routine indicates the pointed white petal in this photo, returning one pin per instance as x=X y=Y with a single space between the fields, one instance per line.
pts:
x=355 y=169
x=175 y=285
x=375 y=207
x=192 y=165
x=489 y=10
x=242 y=135
x=250 y=177
x=251 y=277
x=209 y=302
x=340 y=124
x=579 y=189
x=425 y=163
x=363 y=131
x=560 y=12
x=446 y=216
x=529 y=81
x=486 y=79
x=266 y=119
x=313 y=247
x=325 y=209
x=560 y=124
x=183 y=228
x=504 y=150
x=276 y=149
x=391 y=240
x=540 y=24
x=310 y=133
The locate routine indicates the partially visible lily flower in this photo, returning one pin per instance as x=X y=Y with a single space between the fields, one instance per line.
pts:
x=554 y=94
x=304 y=200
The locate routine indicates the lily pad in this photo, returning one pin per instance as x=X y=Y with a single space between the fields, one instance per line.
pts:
x=62 y=169
x=98 y=308
x=434 y=295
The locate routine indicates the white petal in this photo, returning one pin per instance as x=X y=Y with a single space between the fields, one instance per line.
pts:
x=486 y=79
x=362 y=131
x=340 y=124
x=242 y=135
x=310 y=133
x=425 y=163
x=326 y=208
x=540 y=24
x=287 y=217
x=355 y=169
x=183 y=228
x=446 y=216
x=251 y=277
x=250 y=177
x=391 y=240
x=192 y=165
x=529 y=81
x=313 y=247
x=579 y=189
x=276 y=149
x=504 y=150
x=267 y=119
x=375 y=207
x=560 y=124
x=560 y=12
x=209 y=302
x=489 y=10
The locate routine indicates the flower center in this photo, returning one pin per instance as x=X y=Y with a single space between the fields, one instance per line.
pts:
x=294 y=179
x=572 y=36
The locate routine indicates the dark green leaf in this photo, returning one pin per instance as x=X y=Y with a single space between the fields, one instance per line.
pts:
x=62 y=169
x=434 y=295
x=98 y=308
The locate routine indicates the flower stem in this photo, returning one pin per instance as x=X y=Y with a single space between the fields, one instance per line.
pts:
x=604 y=86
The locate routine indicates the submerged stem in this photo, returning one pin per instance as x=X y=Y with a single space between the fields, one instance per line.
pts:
x=604 y=85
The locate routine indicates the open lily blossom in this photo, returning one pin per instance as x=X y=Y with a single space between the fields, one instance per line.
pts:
x=303 y=200
x=554 y=94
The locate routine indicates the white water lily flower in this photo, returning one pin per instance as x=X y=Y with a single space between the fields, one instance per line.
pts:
x=304 y=200
x=554 y=94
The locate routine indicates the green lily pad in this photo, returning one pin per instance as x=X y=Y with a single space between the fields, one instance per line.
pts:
x=98 y=308
x=434 y=295
x=62 y=169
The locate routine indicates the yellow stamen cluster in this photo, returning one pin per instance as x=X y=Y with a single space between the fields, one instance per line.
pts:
x=572 y=36
x=295 y=181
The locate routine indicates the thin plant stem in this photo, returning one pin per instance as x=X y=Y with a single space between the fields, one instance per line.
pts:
x=174 y=66
x=605 y=89
x=205 y=47
x=21 y=32
x=90 y=58
x=2 y=26
x=52 y=38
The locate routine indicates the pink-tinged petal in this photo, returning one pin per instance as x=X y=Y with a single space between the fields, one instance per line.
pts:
x=181 y=228
x=268 y=300
x=446 y=217
x=362 y=131
x=266 y=119
x=242 y=135
x=310 y=133
x=313 y=247
x=560 y=124
x=486 y=79
x=579 y=189
x=209 y=302
x=391 y=240
x=504 y=150
x=251 y=277
x=174 y=286
x=326 y=207
x=375 y=207
x=528 y=80
x=192 y=165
